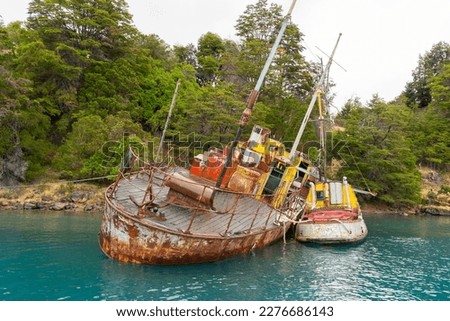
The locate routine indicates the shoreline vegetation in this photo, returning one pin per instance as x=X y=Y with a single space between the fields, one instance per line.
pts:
x=80 y=83
x=89 y=197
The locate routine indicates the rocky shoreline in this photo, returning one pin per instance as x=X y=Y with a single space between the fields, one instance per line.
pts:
x=419 y=210
x=90 y=198
x=53 y=197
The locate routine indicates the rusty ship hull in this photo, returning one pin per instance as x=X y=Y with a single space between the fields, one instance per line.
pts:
x=180 y=233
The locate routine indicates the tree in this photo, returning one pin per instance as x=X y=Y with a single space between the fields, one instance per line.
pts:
x=12 y=164
x=440 y=88
x=430 y=131
x=156 y=48
x=229 y=71
x=83 y=30
x=377 y=154
x=70 y=36
x=213 y=114
x=110 y=87
x=210 y=50
x=186 y=54
x=428 y=91
x=24 y=147
x=258 y=27
x=259 y=21
x=418 y=91
x=95 y=146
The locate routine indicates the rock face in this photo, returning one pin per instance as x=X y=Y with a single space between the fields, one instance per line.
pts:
x=435 y=210
x=12 y=168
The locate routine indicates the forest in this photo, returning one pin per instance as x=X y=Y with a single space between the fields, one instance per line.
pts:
x=79 y=83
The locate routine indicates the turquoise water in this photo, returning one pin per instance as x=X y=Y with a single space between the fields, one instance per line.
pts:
x=55 y=256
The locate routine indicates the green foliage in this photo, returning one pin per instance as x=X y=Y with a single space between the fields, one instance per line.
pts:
x=23 y=126
x=259 y=21
x=33 y=140
x=377 y=154
x=95 y=146
x=154 y=99
x=290 y=74
x=88 y=29
x=187 y=54
x=78 y=84
x=429 y=132
x=155 y=48
x=209 y=54
x=444 y=189
x=440 y=88
x=213 y=114
x=53 y=79
x=289 y=81
x=110 y=87
x=86 y=138
x=418 y=92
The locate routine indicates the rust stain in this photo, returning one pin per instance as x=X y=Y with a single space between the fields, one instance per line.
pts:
x=128 y=237
x=133 y=232
x=177 y=249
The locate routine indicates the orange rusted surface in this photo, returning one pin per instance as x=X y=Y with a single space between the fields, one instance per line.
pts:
x=127 y=239
x=187 y=234
x=211 y=166
x=244 y=180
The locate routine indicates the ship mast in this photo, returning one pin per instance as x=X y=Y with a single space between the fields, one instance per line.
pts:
x=322 y=137
x=247 y=113
x=174 y=98
x=317 y=90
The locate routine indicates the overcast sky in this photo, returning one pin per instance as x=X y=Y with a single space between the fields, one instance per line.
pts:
x=380 y=46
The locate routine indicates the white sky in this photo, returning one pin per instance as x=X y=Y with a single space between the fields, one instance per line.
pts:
x=380 y=46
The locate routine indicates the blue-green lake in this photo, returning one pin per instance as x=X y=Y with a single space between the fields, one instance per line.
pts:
x=55 y=256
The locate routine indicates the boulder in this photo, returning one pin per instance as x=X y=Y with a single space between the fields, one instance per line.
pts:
x=79 y=197
x=88 y=208
x=69 y=207
x=58 y=206
x=42 y=206
x=29 y=206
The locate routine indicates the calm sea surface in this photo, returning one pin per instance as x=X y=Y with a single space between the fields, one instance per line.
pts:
x=55 y=256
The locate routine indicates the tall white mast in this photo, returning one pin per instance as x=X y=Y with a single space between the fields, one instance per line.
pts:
x=313 y=101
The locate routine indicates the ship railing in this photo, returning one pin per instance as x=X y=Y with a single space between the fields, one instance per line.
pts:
x=259 y=217
x=235 y=219
x=256 y=218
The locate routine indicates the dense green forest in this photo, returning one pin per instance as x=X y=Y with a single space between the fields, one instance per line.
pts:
x=78 y=82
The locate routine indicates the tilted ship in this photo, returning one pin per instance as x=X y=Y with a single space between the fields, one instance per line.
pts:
x=230 y=202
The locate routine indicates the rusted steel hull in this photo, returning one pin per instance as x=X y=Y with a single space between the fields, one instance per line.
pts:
x=331 y=231
x=126 y=239
x=236 y=227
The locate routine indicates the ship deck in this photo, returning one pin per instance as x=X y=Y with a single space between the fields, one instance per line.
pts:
x=239 y=215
